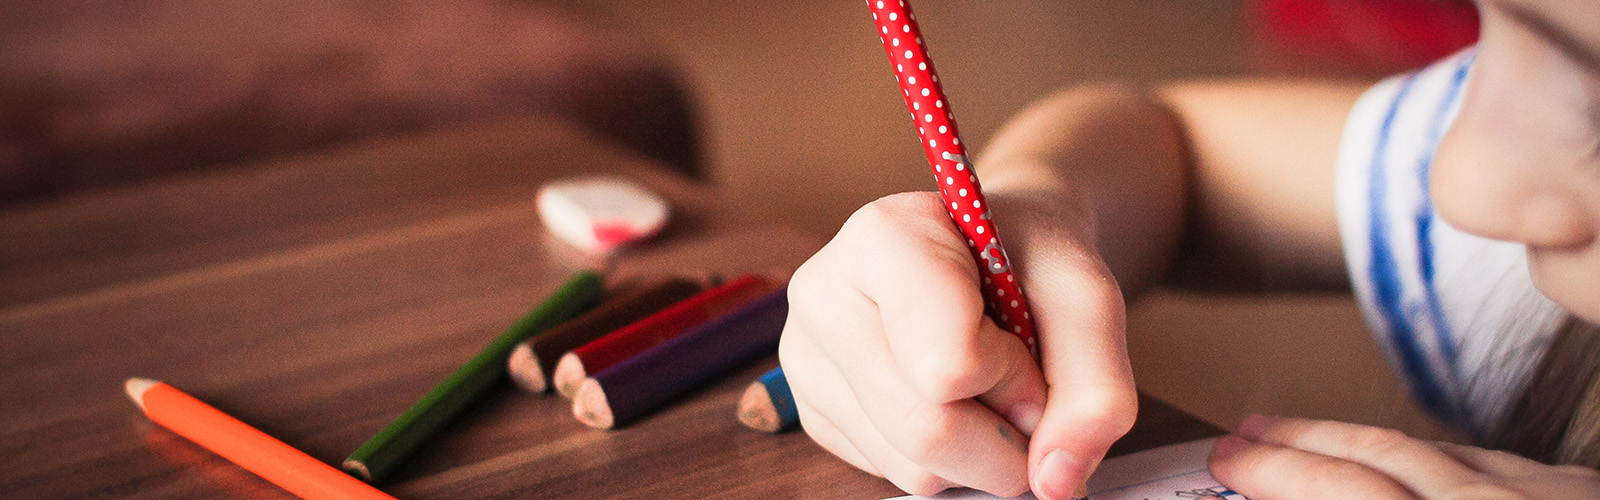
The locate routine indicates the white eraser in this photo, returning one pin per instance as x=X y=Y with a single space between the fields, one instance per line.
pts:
x=599 y=214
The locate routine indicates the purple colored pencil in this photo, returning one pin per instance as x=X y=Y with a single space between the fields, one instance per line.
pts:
x=633 y=388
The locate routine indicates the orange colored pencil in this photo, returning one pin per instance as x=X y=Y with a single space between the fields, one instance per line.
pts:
x=255 y=451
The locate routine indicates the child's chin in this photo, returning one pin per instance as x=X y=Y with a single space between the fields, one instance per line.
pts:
x=1570 y=278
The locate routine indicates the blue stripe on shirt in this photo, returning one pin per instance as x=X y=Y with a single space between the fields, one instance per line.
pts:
x=1425 y=216
x=1385 y=276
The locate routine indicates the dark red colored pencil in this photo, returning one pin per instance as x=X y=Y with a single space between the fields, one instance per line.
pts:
x=622 y=344
x=533 y=361
x=635 y=387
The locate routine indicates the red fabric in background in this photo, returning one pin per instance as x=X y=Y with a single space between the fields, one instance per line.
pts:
x=1374 y=34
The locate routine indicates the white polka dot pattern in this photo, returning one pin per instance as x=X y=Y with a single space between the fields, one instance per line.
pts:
x=942 y=143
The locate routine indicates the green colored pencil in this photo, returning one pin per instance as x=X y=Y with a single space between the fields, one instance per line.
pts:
x=375 y=459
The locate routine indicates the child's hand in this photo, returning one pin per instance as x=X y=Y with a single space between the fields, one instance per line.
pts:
x=895 y=369
x=1286 y=458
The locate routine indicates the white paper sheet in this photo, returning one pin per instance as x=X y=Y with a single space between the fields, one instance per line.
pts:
x=1176 y=472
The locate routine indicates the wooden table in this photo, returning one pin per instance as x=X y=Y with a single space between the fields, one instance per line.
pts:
x=318 y=297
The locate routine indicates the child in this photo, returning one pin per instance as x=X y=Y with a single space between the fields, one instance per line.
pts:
x=1466 y=202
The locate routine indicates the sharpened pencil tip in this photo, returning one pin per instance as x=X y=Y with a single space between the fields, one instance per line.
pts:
x=135 y=386
x=755 y=409
x=358 y=469
x=591 y=407
x=525 y=369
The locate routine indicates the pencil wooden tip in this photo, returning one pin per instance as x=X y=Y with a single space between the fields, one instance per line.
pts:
x=756 y=410
x=590 y=406
x=525 y=370
x=358 y=469
x=569 y=375
x=135 y=387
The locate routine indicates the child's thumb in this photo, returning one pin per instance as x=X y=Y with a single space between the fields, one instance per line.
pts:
x=1073 y=437
x=1091 y=400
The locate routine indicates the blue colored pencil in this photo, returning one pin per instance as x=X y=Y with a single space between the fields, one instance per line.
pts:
x=767 y=405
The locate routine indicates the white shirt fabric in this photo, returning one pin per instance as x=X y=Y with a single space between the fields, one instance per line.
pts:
x=1456 y=314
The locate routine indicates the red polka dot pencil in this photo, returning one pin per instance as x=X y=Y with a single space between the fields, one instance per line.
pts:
x=936 y=125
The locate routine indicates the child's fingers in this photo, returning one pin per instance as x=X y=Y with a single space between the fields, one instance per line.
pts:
x=1498 y=463
x=905 y=256
x=1079 y=314
x=1268 y=472
x=898 y=263
x=962 y=441
x=1019 y=394
x=868 y=451
x=909 y=261
x=880 y=459
x=1417 y=465
x=830 y=438
x=842 y=425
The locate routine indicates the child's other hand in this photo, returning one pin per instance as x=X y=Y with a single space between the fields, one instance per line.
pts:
x=1287 y=458
x=895 y=368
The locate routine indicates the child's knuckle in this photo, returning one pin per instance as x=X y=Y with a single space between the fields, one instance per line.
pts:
x=1119 y=410
x=873 y=216
x=917 y=482
x=927 y=433
x=1332 y=474
x=1377 y=441
x=1105 y=410
x=949 y=372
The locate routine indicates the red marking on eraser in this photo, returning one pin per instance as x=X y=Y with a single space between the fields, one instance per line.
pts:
x=599 y=214
x=612 y=235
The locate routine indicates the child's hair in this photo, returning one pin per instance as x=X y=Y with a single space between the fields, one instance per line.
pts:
x=1557 y=419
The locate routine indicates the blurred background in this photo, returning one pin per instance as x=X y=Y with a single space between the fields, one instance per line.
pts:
x=787 y=107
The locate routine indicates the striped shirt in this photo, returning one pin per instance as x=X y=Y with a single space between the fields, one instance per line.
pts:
x=1456 y=314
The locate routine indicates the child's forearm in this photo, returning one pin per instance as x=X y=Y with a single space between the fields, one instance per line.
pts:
x=1104 y=163
x=1239 y=174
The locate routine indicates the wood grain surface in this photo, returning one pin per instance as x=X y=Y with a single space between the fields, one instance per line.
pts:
x=316 y=298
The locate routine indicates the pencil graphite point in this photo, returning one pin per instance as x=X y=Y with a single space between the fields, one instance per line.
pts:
x=135 y=386
x=590 y=406
x=755 y=409
x=569 y=375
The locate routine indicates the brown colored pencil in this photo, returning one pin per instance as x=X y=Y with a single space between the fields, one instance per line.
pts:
x=633 y=388
x=654 y=329
x=534 y=360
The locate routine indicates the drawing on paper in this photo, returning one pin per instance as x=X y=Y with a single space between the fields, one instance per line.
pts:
x=1212 y=493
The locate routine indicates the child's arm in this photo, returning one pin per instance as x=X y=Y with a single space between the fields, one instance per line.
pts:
x=1239 y=173
x=895 y=369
